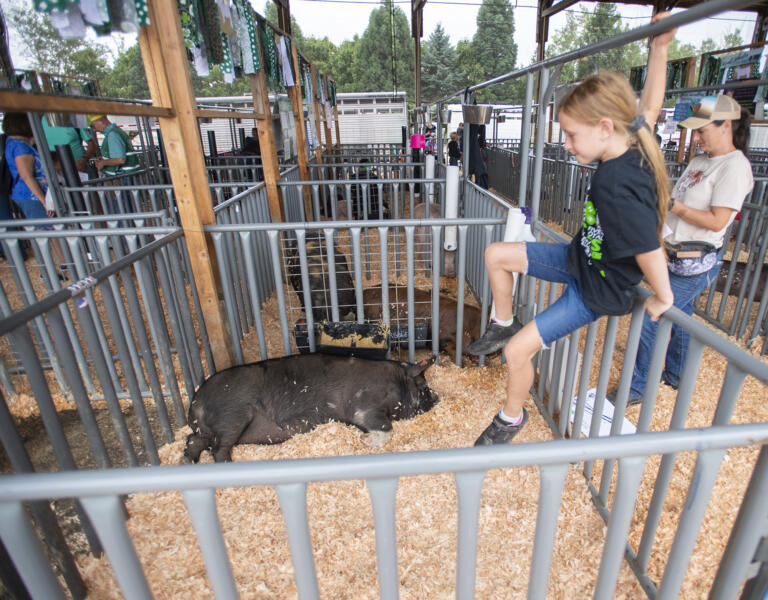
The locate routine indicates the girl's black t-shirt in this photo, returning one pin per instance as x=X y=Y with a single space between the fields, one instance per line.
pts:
x=453 y=149
x=620 y=221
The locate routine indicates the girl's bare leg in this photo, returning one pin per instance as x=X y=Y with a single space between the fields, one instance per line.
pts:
x=502 y=259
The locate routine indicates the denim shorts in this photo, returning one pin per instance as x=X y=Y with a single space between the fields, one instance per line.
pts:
x=548 y=262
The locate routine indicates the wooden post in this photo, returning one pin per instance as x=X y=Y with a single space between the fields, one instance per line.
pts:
x=170 y=85
x=317 y=127
x=301 y=135
x=328 y=137
x=269 y=162
x=336 y=123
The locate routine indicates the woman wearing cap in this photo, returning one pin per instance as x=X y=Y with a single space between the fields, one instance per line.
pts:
x=704 y=202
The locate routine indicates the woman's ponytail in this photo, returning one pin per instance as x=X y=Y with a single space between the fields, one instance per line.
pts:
x=740 y=129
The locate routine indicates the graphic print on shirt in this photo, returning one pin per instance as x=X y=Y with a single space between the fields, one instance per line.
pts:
x=592 y=235
x=687 y=181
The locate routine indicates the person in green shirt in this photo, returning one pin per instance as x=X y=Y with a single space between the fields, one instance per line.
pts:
x=117 y=156
x=74 y=138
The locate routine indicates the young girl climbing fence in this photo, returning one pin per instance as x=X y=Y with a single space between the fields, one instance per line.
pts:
x=618 y=243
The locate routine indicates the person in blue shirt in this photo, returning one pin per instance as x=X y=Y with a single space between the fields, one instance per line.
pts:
x=29 y=180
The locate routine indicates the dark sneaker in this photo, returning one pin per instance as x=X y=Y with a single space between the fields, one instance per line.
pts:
x=495 y=337
x=631 y=401
x=666 y=381
x=499 y=432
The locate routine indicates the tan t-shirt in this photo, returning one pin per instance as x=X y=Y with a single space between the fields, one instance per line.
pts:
x=719 y=181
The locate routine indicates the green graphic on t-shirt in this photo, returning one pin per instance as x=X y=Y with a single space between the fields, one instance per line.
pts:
x=592 y=234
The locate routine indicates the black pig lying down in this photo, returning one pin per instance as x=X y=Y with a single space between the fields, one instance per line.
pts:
x=270 y=401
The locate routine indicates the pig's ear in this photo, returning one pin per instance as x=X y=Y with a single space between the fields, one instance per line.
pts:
x=417 y=369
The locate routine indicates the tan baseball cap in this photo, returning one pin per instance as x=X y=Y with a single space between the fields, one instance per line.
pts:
x=712 y=108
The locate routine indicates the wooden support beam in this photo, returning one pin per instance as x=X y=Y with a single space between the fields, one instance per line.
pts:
x=328 y=137
x=336 y=123
x=301 y=134
x=316 y=125
x=169 y=81
x=31 y=102
x=269 y=162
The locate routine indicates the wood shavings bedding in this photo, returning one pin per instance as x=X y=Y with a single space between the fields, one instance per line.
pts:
x=342 y=525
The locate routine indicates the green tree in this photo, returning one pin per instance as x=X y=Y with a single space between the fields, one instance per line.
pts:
x=565 y=39
x=470 y=70
x=439 y=70
x=385 y=52
x=127 y=78
x=270 y=13
x=321 y=53
x=344 y=65
x=48 y=51
x=495 y=49
x=602 y=23
x=732 y=39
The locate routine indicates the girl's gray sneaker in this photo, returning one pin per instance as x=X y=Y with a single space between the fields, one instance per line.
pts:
x=495 y=337
x=499 y=432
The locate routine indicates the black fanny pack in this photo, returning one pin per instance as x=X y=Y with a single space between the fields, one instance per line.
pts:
x=691 y=258
x=689 y=250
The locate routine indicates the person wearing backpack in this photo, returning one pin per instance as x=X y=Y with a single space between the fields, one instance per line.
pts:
x=117 y=155
x=29 y=182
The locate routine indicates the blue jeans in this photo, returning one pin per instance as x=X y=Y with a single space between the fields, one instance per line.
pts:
x=548 y=262
x=685 y=290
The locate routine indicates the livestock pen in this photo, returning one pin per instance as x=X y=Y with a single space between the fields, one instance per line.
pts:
x=98 y=372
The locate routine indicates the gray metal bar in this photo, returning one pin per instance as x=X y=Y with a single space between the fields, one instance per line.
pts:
x=153 y=311
x=586 y=369
x=201 y=505
x=306 y=289
x=745 y=534
x=655 y=367
x=469 y=487
x=550 y=495
x=689 y=521
x=229 y=300
x=108 y=519
x=609 y=344
x=664 y=476
x=436 y=231
x=79 y=394
x=278 y=278
x=358 y=270
x=627 y=484
x=383 y=492
x=293 y=503
x=253 y=284
x=525 y=139
x=27 y=553
x=409 y=231
x=570 y=373
x=90 y=336
x=137 y=401
x=330 y=253
x=461 y=273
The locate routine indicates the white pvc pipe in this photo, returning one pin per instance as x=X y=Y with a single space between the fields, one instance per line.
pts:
x=451 y=205
x=429 y=173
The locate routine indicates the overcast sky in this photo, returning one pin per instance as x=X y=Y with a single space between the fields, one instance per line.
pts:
x=339 y=20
